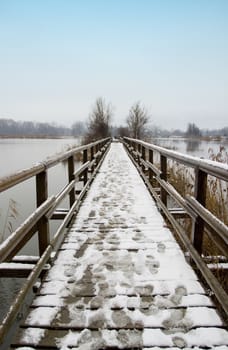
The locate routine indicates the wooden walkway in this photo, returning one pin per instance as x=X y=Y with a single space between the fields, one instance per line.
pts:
x=120 y=280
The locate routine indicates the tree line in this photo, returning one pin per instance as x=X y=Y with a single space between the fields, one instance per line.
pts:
x=10 y=127
x=98 y=125
x=99 y=122
x=137 y=125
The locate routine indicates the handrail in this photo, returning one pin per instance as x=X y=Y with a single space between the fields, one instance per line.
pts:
x=38 y=221
x=10 y=244
x=202 y=219
x=24 y=174
x=209 y=166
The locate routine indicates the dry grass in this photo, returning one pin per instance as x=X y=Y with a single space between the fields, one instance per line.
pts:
x=182 y=178
x=11 y=216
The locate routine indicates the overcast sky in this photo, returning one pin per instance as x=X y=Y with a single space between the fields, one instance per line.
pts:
x=58 y=56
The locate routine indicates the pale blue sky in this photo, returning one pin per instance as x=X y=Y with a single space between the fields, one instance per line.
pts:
x=57 y=57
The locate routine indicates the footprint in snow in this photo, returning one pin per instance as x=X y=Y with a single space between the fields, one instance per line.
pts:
x=121 y=319
x=96 y=302
x=180 y=291
x=179 y=342
x=161 y=247
x=97 y=320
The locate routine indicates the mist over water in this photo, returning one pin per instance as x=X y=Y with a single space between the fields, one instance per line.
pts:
x=193 y=147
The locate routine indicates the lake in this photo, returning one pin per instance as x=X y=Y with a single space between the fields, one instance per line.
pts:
x=192 y=147
x=16 y=154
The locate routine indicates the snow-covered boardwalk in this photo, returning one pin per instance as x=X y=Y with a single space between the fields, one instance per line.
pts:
x=120 y=280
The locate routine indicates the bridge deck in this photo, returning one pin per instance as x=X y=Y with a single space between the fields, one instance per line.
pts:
x=120 y=279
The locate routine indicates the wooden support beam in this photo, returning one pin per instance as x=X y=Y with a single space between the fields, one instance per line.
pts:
x=17 y=269
x=71 y=178
x=41 y=197
x=163 y=163
x=85 y=159
x=151 y=161
x=200 y=196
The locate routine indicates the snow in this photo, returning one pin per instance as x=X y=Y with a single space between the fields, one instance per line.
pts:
x=25 y=348
x=33 y=336
x=48 y=300
x=27 y=258
x=196 y=337
x=15 y=266
x=70 y=339
x=120 y=268
x=188 y=348
x=223 y=266
x=42 y=316
x=125 y=301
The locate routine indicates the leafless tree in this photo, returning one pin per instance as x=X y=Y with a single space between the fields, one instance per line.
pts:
x=78 y=129
x=99 y=124
x=122 y=131
x=193 y=130
x=10 y=127
x=137 y=119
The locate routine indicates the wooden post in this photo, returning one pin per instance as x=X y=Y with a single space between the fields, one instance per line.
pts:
x=92 y=157
x=139 y=154
x=134 y=150
x=70 y=178
x=200 y=195
x=143 y=157
x=43 y=224
x=163 y=162
x=131 y=146
x=85 y=159
x=151 y=160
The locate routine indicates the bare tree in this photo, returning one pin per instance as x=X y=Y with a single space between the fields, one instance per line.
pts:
x=99 y=124
x=122 y=131
x=137 y=119
x=193 y=130
x=78 y=129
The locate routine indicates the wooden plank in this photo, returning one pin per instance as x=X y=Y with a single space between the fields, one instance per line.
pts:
x=179 y=213
x=59 y=214
x=52 y=338
x=122 y=339
x=125 y=301
x=87 y=289
x=76 y=317
x=15 y=269
x=26 y=259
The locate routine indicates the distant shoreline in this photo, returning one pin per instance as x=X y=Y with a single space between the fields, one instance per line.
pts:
x=35 y=137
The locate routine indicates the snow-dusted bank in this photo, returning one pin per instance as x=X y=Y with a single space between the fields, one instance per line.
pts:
x=120 y=279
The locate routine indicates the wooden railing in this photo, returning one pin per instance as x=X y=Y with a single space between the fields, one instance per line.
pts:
x=38 y=222
x=192 y=206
